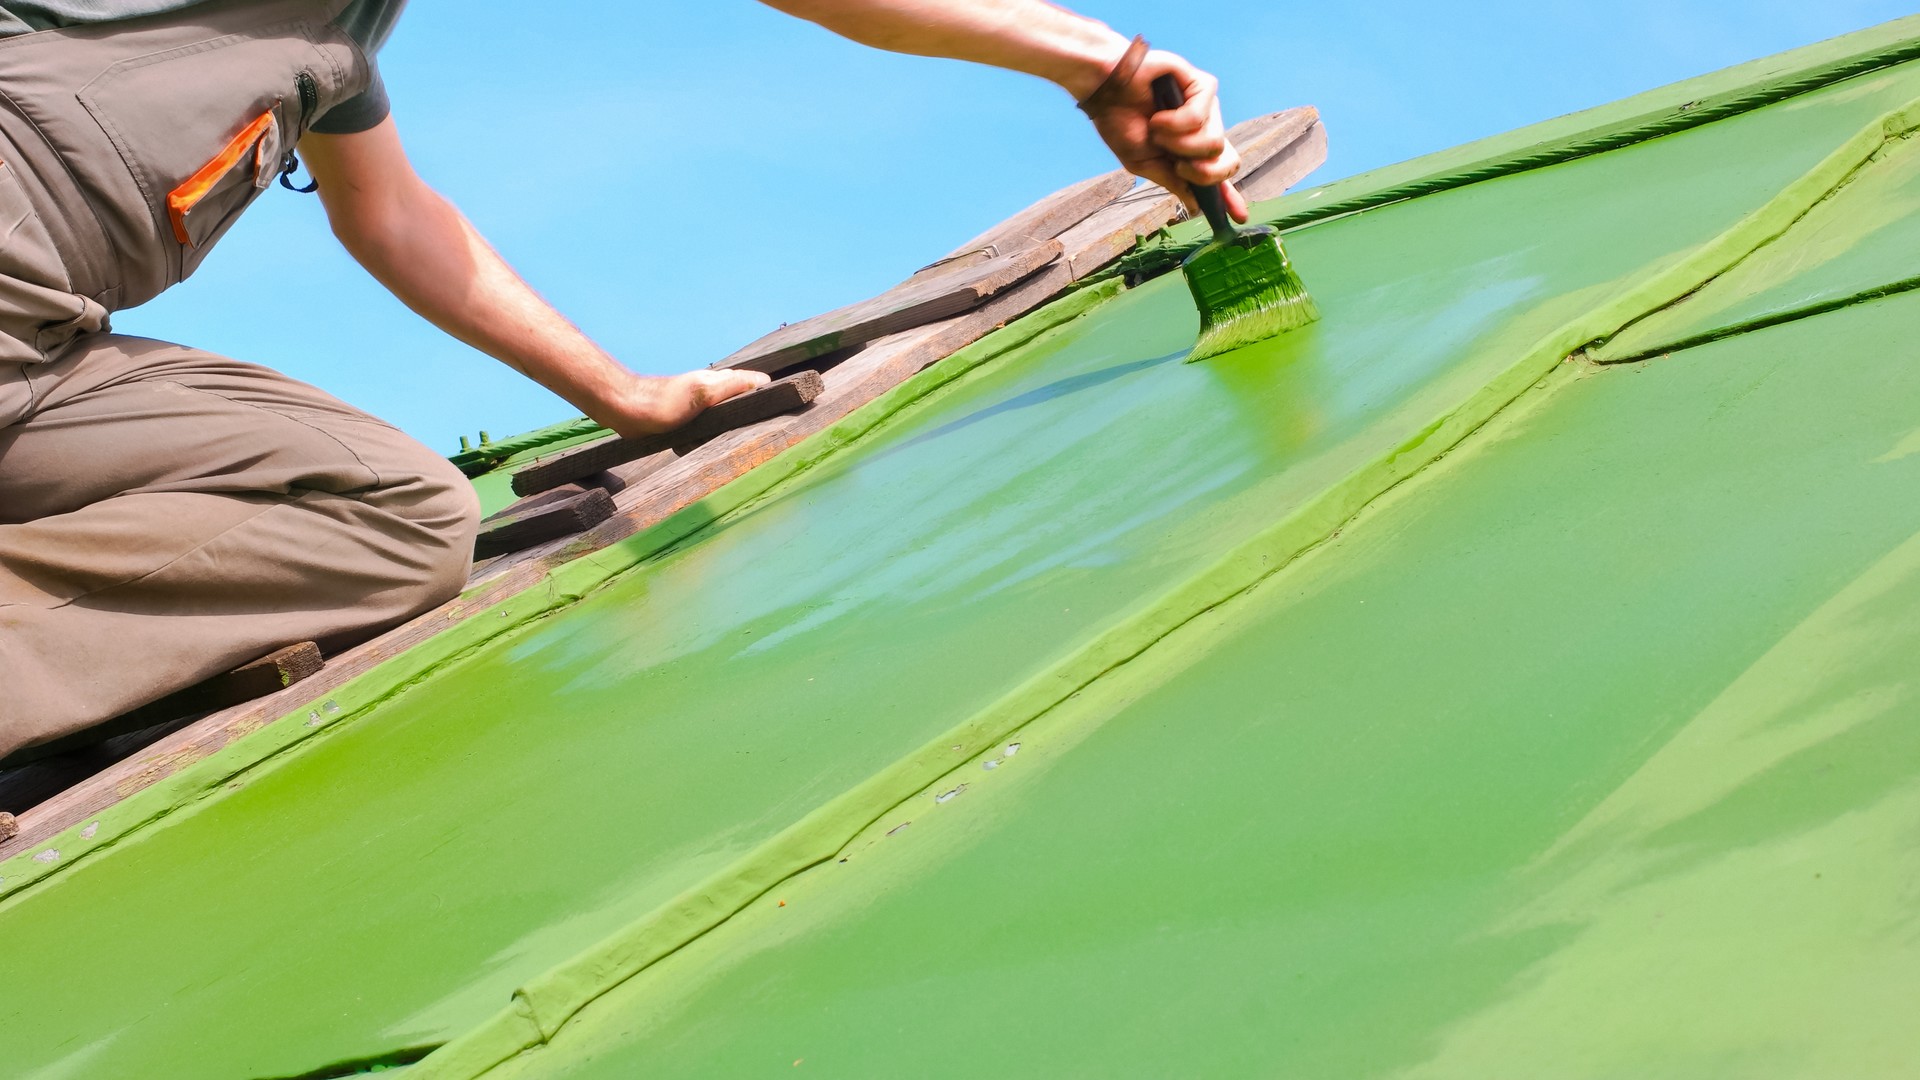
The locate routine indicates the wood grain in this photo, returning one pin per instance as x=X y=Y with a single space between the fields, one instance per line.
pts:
x=782 y=396
x=1293 y=163
x=1044 y=220
x=581 y=510
x=915 y=302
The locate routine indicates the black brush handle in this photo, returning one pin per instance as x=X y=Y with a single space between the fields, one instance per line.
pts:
x=1213 y=200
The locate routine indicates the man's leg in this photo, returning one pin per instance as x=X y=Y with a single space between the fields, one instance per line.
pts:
x=167 y=514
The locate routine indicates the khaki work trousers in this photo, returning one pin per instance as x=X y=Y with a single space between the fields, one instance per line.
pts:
x=167 y=515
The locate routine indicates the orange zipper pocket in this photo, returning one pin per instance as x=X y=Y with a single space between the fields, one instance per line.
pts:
x=181 y=200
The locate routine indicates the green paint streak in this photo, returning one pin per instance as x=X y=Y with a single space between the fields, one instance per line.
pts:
x=1857 y=244
x=609 y=767
x=1588 y=754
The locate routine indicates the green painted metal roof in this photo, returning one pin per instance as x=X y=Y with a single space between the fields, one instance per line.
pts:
x=1396 y=698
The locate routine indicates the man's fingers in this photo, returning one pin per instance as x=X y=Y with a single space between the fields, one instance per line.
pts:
x=1217 y=170
x=718 y=386
x=1201 y=107
x=1202 y=145
x=1236 y=204
x=1179 y=148
x=1194 y=134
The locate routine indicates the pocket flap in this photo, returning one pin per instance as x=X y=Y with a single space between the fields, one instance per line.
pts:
x=251 y=146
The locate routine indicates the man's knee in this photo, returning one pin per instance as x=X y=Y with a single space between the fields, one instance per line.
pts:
x=442 y=506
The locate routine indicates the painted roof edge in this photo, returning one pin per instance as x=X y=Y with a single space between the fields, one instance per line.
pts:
x=1666 y=110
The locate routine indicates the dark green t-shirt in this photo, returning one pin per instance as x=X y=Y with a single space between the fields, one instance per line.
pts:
x=368 y=22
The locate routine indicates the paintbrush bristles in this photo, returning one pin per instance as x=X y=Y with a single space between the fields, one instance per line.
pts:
x=1266 y=321
x=1246 y=291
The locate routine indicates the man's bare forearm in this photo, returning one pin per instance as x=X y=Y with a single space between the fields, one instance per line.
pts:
x=1175 y=148
x=1020 y=35
x=426 y=253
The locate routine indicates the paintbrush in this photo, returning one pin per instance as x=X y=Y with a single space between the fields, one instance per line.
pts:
x=1241 y=280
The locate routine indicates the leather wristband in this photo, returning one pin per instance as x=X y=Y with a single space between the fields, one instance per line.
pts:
x=1114 y=88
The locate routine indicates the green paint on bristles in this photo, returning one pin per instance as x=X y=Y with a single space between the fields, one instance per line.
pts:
x=1247 y=291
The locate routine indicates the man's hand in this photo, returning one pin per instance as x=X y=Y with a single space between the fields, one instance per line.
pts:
x=426 y=253
x=1173 y=149
x=653 y=405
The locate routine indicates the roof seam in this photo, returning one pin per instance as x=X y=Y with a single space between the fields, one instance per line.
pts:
x=1787 y=210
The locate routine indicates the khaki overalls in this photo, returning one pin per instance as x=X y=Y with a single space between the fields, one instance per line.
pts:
x=167 y=514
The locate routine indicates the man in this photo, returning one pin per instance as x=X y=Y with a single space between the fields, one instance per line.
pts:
x=167 y=514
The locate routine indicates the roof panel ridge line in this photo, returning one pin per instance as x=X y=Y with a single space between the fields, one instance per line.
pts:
x=268 y=745
x=543 y=1006
x=1774 y=220
x=1662 y=111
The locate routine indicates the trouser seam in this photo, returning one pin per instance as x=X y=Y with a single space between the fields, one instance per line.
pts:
x=170 y=563
x=378 y=480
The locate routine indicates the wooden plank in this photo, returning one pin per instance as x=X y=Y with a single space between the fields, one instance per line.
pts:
x=536 y=525
x=1263 y=138
x=661 y=485
x=1294 y=163
x=275 y=671
x=785 y=395
x=1114 y=231
x=536 y=501
x=1038 y=223
x=916 y=302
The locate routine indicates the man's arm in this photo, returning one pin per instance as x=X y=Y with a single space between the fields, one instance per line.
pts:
x=1173 y=149
x=423 y=250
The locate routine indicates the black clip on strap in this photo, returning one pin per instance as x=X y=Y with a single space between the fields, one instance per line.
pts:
x=290 y=165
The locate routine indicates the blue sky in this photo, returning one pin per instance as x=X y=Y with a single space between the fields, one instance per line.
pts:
x=680 y=178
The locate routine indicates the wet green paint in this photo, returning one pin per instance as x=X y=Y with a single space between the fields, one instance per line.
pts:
x=1865 y=238
x=391 y=882
x=1588 y=754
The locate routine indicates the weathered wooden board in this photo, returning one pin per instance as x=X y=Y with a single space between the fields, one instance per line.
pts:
x=785 y=395
x=580 y=510
x=916 y=302
x=275 y=671
x=1043 y=221
x=1284 y=171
